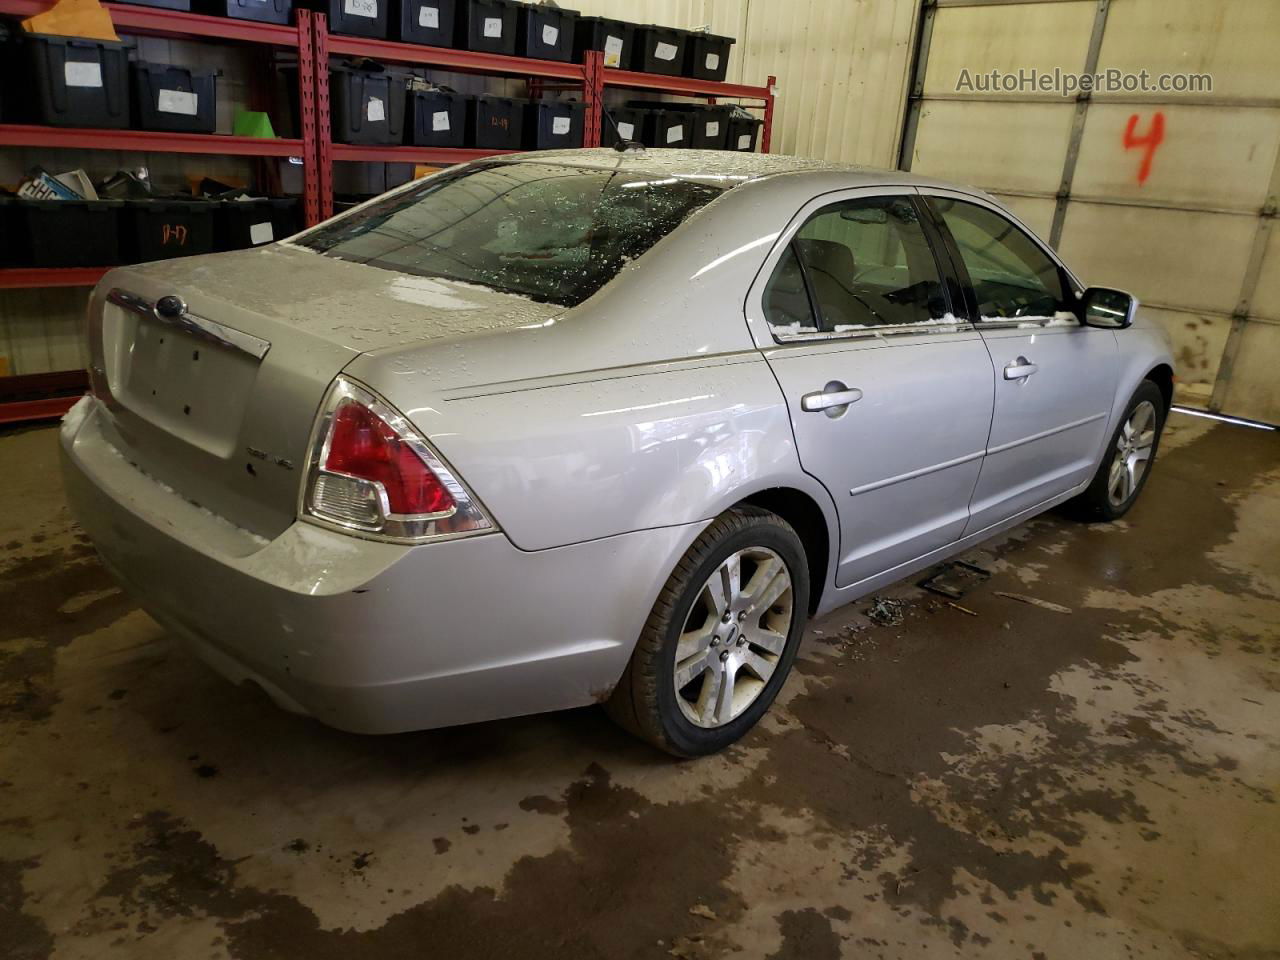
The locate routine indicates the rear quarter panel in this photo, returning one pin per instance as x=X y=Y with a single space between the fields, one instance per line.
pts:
x=629 y=449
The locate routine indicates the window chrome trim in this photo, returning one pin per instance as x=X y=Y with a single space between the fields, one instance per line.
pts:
x=197 y=326
x=874 y=333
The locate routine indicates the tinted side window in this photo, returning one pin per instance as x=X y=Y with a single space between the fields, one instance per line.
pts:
x=1012 y=277
x=869 y=264
x=786 y=301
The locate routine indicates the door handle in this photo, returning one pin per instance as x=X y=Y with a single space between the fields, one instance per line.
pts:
x=831 y=399
x=1020 y=369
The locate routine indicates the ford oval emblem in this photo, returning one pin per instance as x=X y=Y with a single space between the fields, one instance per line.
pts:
x=171 y=306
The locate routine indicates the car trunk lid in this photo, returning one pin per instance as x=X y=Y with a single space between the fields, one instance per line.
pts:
x=218 y=400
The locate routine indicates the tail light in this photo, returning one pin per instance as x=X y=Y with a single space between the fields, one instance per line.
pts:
x=372 y=473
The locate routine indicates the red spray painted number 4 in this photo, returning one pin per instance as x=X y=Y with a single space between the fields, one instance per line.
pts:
x=1149 y=141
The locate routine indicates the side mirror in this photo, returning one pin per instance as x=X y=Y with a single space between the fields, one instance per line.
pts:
x=1107 y=308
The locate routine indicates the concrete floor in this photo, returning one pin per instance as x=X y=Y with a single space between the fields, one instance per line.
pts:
x=1020 y=783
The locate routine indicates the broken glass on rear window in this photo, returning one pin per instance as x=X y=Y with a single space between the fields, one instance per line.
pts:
x=552 y=233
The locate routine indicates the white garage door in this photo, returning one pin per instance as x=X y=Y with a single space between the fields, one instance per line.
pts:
x=1172 y=195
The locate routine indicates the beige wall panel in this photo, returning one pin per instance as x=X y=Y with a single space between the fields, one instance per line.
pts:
x=1235 y=40
x=1009 y=146
x=43 y=330
x=1007 y=37
x=1035 y=212
x=1198 y=341
x=1266 y=297
x=1191 y=260
x=1218 y=157
x=842 y=74
x=1254 y=388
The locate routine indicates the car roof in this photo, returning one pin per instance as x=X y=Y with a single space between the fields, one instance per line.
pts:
x=727 y=165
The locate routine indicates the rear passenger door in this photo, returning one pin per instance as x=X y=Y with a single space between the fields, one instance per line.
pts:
x=1055 y=378
x=890 y=398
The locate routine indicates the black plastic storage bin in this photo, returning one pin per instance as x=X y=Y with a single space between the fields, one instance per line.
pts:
x=263 y=11
x=366 y=106
x=628 y=124
x=546 y=33
x=488 y=26
x=667 y=128
x=249 y=223
x=743 y=133
x=710 y=128
x=428 y=22
x=614 y=38
x=70 y=233
x=435 y=118
x=173 y=98
x=554 y=124
x=358 y=18
x=707 y=56
x=164 y=4
x=15 y=251
x=160 y=229
x=78 y=82
x=495 y=123
x=659 y=50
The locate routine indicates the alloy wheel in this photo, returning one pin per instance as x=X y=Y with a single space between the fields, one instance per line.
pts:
x=1132 y=454
x=733 y=638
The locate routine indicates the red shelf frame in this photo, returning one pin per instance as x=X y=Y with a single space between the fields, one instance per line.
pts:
x=146 y=141
x=310 y=36
x=40 y=396
x=29 y=278
x=446 y=58
x=685 y=86
x=151 y=21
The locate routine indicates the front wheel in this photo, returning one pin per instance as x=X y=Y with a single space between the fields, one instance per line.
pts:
x=1127 y=463
x=721 y=637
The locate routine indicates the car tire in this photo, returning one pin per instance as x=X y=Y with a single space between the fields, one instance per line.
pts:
x=699 y=719
x=1110 y=496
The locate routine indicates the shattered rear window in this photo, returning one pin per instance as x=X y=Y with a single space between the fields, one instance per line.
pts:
x=553 y=233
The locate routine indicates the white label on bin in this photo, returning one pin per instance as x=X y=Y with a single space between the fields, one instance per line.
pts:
x=560 y=125
x=178 y=101
x=429 y=17
x=374 y=111
x=713 y=60
x=493 y=26
x=744 y=142
x=665 y=51
x=627 y=131
x=360 y=8
x=612 y=51
x=260 y=233
x=80 y=74
x=713 y=128
x=550 y=35
x=440 y=120
x=675 y=134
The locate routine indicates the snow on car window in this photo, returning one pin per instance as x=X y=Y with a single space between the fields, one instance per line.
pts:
x=551 y=232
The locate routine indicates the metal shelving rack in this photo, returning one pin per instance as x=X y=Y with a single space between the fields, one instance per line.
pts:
x=310 y=36
x=591 y=78
x=34 y=396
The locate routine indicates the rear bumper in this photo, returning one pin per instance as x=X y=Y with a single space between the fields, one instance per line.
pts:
x=367 y=636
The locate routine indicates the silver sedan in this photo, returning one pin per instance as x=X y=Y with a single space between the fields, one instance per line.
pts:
x=580 y=427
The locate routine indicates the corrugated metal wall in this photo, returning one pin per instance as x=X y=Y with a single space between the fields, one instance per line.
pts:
x=1191 y=234
x=842 y=69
